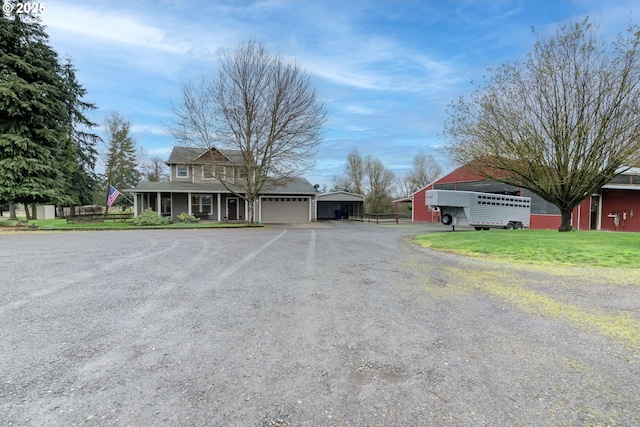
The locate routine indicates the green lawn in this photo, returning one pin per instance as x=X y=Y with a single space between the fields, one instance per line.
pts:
x=576 y=248
x=61 y=224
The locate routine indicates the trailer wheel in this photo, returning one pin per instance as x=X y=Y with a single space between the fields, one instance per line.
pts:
x=518 y=226
x=510 y=225
x=478 y=228
x=447 y=219
x=486 y=228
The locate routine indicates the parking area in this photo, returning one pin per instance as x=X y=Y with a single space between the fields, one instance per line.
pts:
x=338 y=323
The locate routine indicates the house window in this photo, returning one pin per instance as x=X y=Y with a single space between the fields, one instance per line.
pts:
x=182 y=171
x=207 y=172
x=201 y=203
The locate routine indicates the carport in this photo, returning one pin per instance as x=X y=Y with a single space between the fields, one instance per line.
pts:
x=339 y=204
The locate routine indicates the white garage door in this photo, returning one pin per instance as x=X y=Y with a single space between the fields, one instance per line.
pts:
x=285 y=209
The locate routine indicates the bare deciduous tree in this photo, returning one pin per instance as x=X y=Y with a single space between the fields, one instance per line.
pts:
x=342 y=183
x=355 y=171
x=153 y=169
x=354 y=174
x=404 y=187
x=380 y=183
x=425 y=170
x=262 y=108
x=369 y=177
x=561 y=124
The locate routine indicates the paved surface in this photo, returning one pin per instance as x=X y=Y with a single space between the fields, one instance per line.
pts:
x=338 y=324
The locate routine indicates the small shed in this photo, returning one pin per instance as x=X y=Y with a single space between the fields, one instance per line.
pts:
x=339 y=205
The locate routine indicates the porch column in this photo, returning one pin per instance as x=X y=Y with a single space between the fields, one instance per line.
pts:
x=189 y=203
x=600 y=204
x=159 y=205
x=219 y=207
x=135 y=204
x=256 y=217
x=246 y=210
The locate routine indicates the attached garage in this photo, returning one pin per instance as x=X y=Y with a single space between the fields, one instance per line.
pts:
x=285 y=209
x=340 y=204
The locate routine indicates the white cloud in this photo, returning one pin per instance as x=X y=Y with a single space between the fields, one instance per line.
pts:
x=149 y=129
x=108 y=26
x=359 y=109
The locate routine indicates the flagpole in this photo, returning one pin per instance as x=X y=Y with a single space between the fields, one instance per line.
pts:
x=113 y=194
x=106 y=211
x=127 y=199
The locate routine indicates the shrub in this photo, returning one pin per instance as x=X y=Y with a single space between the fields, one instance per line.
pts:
x=185 y=217
x=150 y=217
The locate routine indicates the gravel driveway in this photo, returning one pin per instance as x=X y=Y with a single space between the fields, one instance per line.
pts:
x=339 y=324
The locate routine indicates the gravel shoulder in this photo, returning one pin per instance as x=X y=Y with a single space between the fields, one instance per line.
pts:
x=343 y=324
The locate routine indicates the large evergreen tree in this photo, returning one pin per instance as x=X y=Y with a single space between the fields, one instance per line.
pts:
x=80 y=150
x=31 y=105
x=47 y=154
x=121 y=158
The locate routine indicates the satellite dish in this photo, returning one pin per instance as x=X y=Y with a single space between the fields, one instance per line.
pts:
x=316 y=186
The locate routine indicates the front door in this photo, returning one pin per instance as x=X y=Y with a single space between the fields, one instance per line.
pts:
x=232 y=209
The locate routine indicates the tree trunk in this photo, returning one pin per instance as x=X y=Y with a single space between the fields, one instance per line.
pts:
x=565 y=220
x=252 y=211
x=34 y=211
x=12 y=211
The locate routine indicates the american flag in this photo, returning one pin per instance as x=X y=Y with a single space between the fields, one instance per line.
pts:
x=113 y=195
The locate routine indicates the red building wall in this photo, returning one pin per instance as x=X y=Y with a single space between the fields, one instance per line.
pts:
x=611 y=201
x=582 y=215
x=620 y=201
x=421 y=212
x=544 y=222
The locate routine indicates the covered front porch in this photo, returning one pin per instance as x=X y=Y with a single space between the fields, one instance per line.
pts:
x=206 y=206
x=203 y=201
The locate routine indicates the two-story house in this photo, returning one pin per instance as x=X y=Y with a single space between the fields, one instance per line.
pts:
x=194 y=187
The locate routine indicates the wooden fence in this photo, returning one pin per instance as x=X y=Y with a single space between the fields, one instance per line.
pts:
x=386 y=217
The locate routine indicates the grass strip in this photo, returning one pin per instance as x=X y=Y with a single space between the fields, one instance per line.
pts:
x=546 y=247
x=61 y=224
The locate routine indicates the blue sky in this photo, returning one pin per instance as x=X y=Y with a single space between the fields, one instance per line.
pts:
x=385 y=70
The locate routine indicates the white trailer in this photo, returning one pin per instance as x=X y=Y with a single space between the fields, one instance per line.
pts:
x=480 y=210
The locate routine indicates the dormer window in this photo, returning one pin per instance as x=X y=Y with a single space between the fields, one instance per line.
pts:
x=182 y=171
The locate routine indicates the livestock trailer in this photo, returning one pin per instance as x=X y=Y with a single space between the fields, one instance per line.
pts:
x=480 y=210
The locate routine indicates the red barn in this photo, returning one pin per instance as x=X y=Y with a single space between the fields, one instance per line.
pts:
x=616 y=206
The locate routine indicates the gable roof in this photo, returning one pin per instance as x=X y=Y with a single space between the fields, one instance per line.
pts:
x=340 y=196
x=191 y=155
